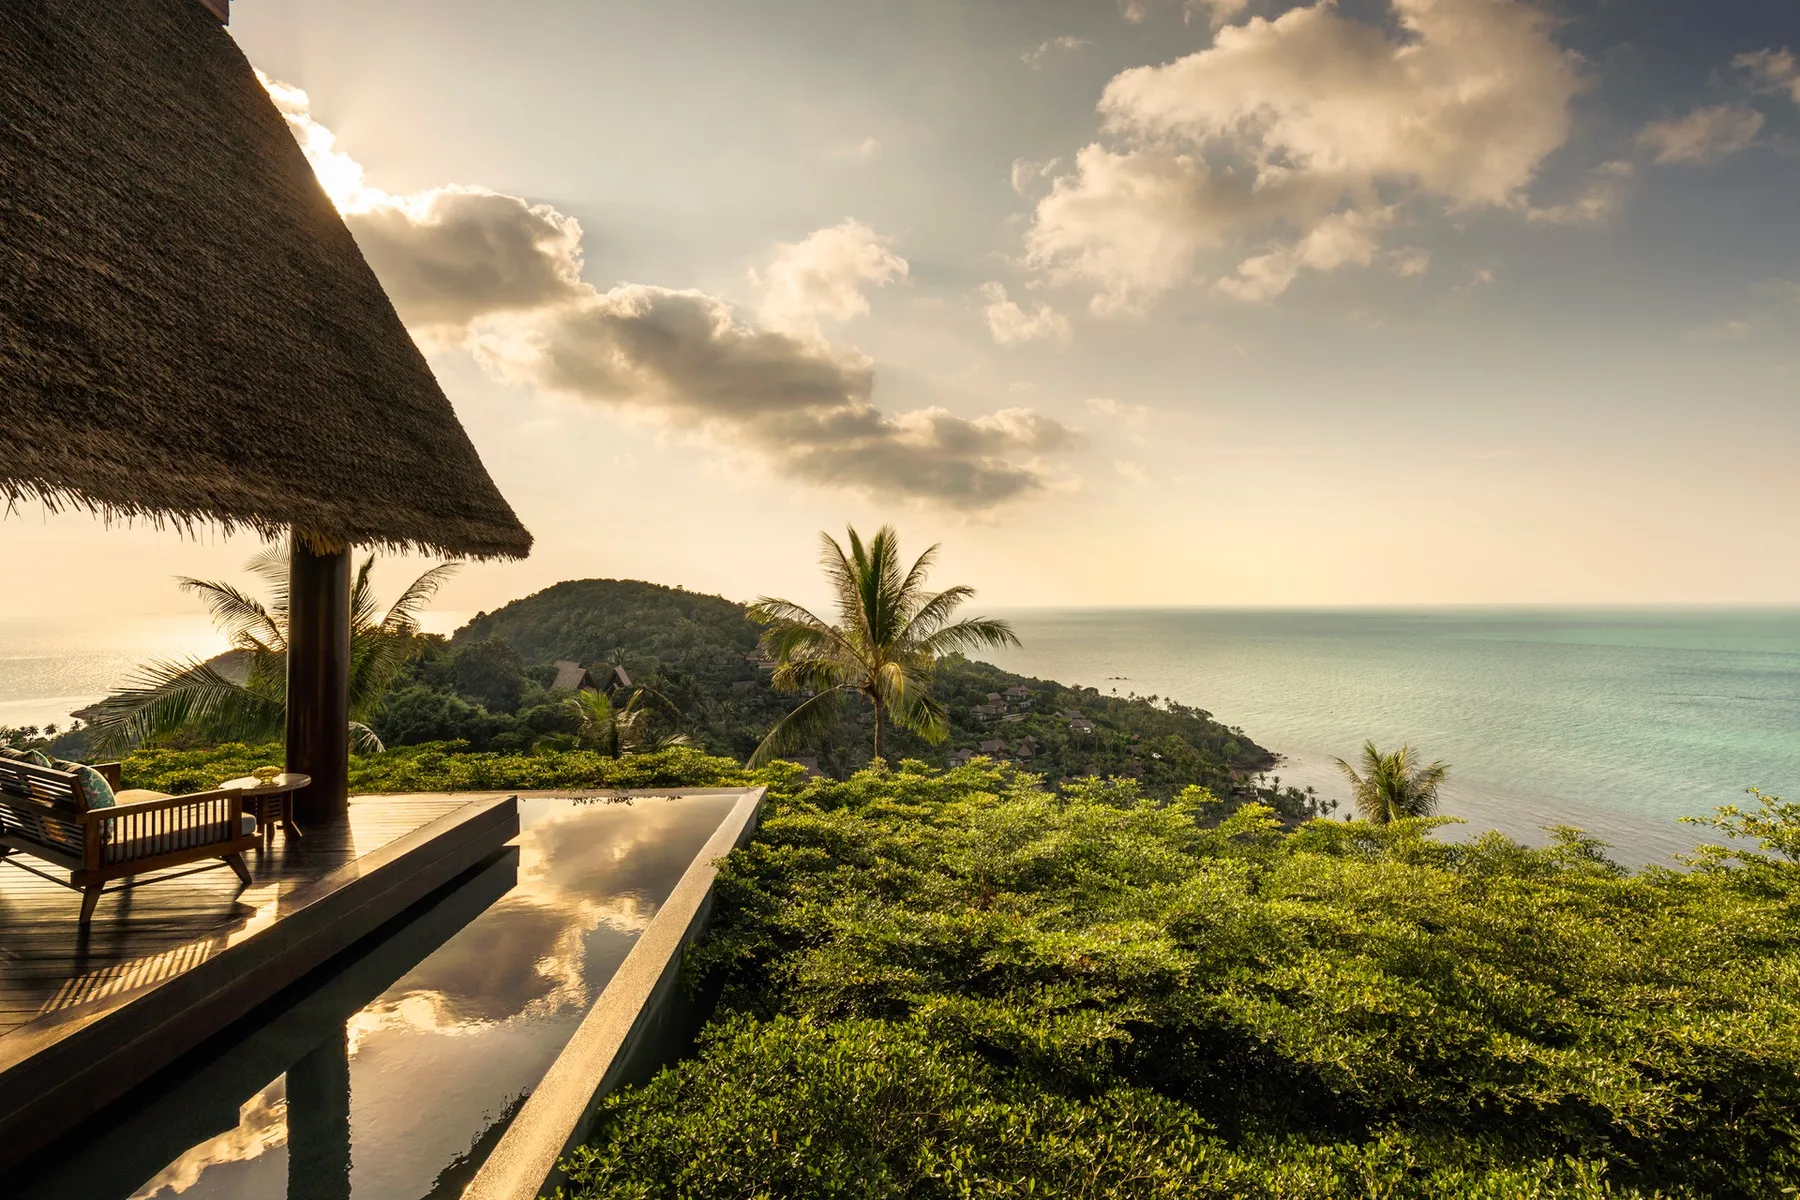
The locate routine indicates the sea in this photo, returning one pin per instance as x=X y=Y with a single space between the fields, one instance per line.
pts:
x=1618 y=722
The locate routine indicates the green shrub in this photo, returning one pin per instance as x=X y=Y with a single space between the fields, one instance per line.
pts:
x=949 y=984
x=445 y=767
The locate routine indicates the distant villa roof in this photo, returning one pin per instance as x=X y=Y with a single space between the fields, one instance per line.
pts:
x=572 y=677
x=188 y=332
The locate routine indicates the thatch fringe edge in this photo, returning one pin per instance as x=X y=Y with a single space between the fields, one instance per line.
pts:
x=187 y=522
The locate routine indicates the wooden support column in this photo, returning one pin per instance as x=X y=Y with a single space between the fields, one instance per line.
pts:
x=318 y=680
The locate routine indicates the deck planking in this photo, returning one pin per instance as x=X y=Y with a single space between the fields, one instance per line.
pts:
x=151 y=932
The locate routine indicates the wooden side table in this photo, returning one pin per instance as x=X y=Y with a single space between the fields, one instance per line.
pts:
x=270 y=802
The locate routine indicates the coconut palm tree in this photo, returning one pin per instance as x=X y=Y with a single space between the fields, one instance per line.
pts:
x=618 y=729
x=242 y=696
x=1392 y=786
x=887 y=639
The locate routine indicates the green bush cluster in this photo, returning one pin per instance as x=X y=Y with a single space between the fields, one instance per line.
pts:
x=951 y=984
x=448 y=767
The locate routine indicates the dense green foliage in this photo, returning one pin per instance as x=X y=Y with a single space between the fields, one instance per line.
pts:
x=489 y=688
x=953 y=984
x=453 y=768
x=591 y=620
x=699 y=651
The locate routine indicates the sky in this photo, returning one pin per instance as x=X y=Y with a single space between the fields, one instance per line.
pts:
x=1125 y=302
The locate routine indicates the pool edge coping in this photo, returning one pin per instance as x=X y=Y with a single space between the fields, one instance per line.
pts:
x=559 y=1113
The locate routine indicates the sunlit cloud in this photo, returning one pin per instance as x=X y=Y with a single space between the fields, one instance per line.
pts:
x=1028 y=176
x=1702 y=135
x=823 y=277
x=1304 y=136
x=1599 y=197
x=262 y=1126
x=1010 y=324
x=1773 y=70
x=1043 y=54
x=500 y=276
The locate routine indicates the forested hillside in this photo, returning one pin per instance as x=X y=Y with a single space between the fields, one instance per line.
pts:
x=491 y=685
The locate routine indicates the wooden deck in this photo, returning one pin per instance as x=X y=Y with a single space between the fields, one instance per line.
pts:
x=168 y=964
x=150 y=932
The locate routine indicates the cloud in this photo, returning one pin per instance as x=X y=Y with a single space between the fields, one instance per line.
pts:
x=449 y=255
x=1026 y=174
x=1703 y=135
x=1311 y=123
x=822 y=276
x=1011 y=325
x=1409 y=261
x=1218 y=12
x=1773 y=70
x=1602 y=195
x=1340 y=239
x=501 y=276
x=1041 y=55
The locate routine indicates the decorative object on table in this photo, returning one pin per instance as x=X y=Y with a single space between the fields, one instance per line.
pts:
x=267 y=774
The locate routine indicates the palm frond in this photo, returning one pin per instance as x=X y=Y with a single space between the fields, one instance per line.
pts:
x=362 y=596
x=793 y=629
x=914 y=583
x=240 y=617
x=363 y=740
x=892 y=684
x=270 y=564
x=813 y=674
x=403 y=614
x=926 y=716
x=167 y=696
x=841 y=573
x=809 y=719
x=933 y=612
x=971 y=634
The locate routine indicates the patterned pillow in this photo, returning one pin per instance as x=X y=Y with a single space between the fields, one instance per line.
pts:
x=36 y=758
x=94 y=789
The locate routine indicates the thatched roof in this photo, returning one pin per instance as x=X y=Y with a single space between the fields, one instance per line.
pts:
x=188 y=332
x=572 y=677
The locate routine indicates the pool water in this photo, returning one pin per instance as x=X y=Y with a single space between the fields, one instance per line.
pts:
x=396 y=1069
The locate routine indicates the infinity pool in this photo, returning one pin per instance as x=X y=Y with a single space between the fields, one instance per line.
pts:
x=391 y=1073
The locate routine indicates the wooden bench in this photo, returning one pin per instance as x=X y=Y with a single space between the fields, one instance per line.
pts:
x=44 y=813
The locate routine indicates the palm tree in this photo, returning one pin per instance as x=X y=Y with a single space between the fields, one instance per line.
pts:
x=200 y=698
x=889 y=634
x=1392 y=786
x=618 y=729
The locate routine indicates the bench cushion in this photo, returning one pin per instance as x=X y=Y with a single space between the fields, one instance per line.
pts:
x=95 y=791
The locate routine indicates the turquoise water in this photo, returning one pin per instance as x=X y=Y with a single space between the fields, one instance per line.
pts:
x=1616 y=721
